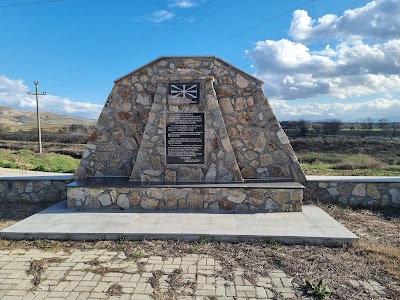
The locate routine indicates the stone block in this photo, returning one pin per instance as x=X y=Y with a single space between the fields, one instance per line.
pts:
x=359 y=190
x=241 y=81
x=280 y=196
x=394 y=193
x=123 y=201
x=373 y=192
x=333 y=192
x=194 y=201
x=105 y=200
x=148 y=203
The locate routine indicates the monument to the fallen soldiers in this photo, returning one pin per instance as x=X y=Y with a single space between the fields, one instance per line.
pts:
x=189 y=133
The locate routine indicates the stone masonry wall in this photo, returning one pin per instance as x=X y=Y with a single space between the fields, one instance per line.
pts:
x=260 y=145
x=33 y=190
x=368 y=194
x=220 y=161
x=190 y=198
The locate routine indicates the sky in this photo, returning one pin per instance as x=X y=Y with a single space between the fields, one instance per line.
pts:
x=319 y=59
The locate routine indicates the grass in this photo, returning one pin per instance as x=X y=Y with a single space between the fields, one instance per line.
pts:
x=29 y=160
x=336 y=163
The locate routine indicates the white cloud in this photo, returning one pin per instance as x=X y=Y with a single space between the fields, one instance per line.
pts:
x=292 y=71
x=13 y=93
x=182 y=3
x=377 y=20
x=343 y=67
x=159 y=16
x=378 y=108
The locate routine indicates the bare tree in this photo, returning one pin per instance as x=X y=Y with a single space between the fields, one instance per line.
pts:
x=302 y=127
x=317 y=127
x=367 y=125
x=331 y=126
x=299 y=127
x=384 y=125
x=394 y=127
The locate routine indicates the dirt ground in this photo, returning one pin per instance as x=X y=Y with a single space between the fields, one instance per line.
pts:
x=375 y=258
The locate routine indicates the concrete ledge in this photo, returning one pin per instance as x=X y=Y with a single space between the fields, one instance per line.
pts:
x=64 y=177
x=311 y=226
x=124 y=182
x=353 y=178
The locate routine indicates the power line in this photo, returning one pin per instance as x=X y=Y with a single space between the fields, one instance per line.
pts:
x=214 y=12
x=210 y=14
x=264 y=22
x=29 y=3
x=180 y=18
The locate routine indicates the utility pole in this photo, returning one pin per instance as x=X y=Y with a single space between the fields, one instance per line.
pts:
x=37 y=113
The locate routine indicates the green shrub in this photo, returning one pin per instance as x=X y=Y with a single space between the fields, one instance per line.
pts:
x=360 y=161
x=318 y=290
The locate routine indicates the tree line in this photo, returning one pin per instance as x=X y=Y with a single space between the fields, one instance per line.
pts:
x=303 y=127
x=364 y=127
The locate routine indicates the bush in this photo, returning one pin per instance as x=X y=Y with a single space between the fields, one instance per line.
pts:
x=360 y=161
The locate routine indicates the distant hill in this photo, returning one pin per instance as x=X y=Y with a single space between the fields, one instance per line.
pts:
x=13 y=117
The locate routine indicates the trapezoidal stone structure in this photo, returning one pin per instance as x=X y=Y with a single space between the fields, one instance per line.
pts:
x=191 y=133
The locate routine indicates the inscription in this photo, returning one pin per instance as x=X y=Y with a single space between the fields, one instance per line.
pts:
x=184 y=138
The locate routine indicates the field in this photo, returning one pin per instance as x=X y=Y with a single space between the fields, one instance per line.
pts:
x=62 y=149
x=318 y=155
x=348 y=155
x=29 y=160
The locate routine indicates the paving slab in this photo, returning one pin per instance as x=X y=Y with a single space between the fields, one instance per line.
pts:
x=311 y=226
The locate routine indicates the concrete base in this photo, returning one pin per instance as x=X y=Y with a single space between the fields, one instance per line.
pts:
x=120 y=193
x=311 y=226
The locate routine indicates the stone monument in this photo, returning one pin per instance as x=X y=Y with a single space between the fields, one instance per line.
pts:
x=188 y=133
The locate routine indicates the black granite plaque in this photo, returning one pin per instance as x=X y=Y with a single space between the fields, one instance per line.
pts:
x=184 y=138
x=187 y=91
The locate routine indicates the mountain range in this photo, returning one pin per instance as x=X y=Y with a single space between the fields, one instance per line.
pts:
x=13 y=117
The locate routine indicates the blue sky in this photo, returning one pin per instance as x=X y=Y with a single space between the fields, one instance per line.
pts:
x=319 y=59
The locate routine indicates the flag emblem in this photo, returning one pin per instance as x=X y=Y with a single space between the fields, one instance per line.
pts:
x=185 y=90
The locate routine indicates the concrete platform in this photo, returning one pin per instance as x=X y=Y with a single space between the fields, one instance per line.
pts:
x=311 y=226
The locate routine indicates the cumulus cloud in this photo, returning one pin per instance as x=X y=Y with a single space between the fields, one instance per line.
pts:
x=291 y=70
x=13 y=93
x=182 y=3
x=377 y=20
x=380 y=108
x=158 y=16
x=349 y=65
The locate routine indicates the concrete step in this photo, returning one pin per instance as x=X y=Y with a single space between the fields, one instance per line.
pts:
x=311 y=226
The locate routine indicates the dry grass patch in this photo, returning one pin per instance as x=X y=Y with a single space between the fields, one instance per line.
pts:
x=155 y=279
x=38 y=267
x=115 y=290
x=387 y=256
